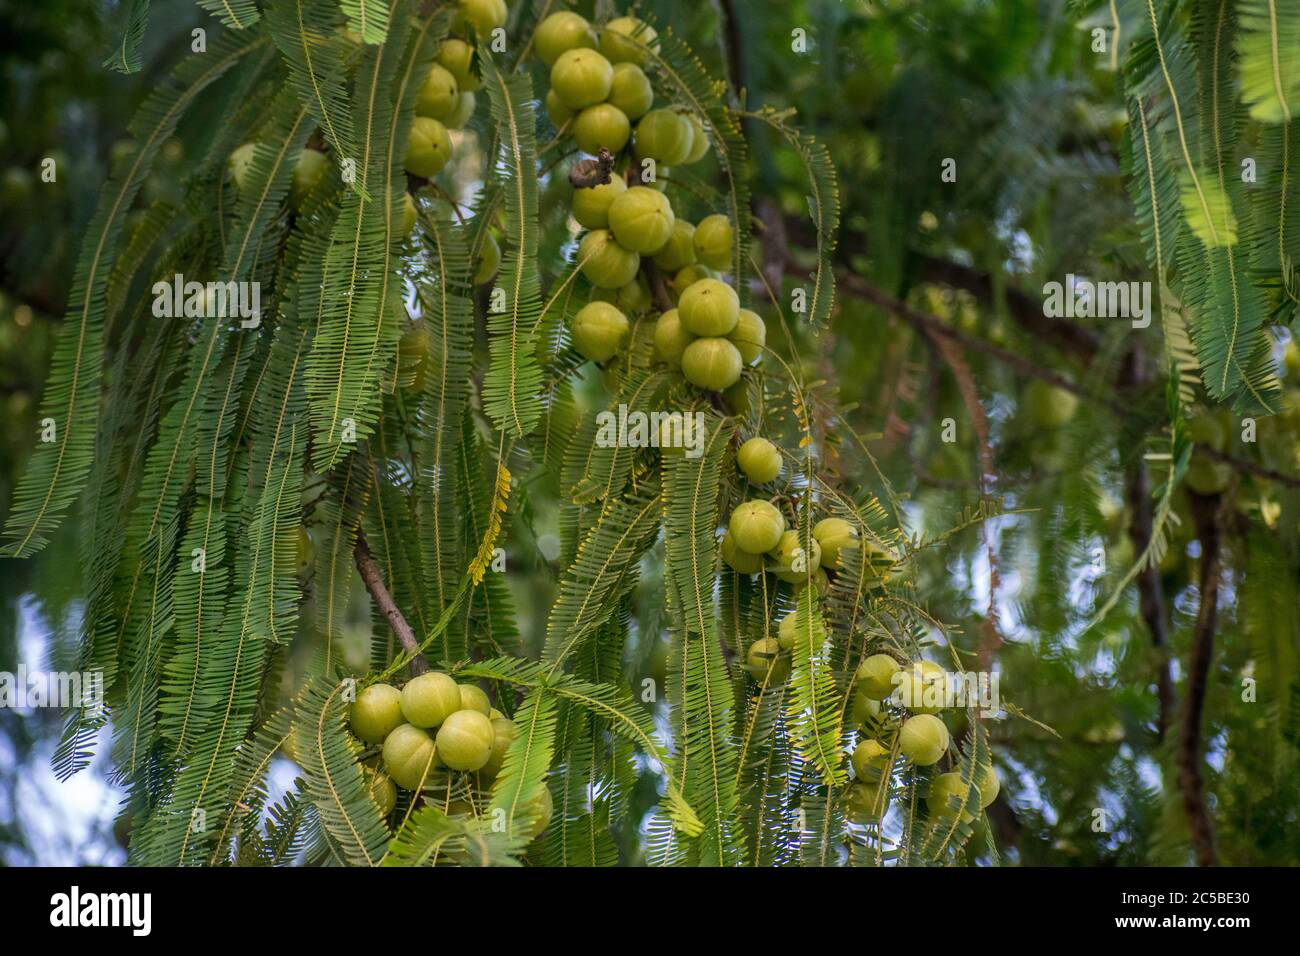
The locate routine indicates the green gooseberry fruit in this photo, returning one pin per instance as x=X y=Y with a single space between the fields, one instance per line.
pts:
x=834 y=534
x=538 y=812
x=457 y=58
x=923 y=739
x=308 y=172
x=412 y=350
x=766 y=663
x=1208 y=430
x=1049 y=406
x=503 y=735
x=408 y=756
x=749 y=336
x=472 y=697
x=990 y=786
x=679 y=251
x=590 y=206
x=866 y=802
x=556 y=110
x=306 y=550
x=494 y=713
x=820 y=580
x=870 y=759
x=463 y=112
x=866 y=711
x=409 y=214
x=240 y=165
x=714 y=238
x=790 y=561
x=581 y=78
x=382 y=790
x=428 y=149
x=561 y=32
x=739 y=561
x=663 y=136
x=641 y=219
x=710 y=307
x=376 y=712
x=606 y=264
x=600 y=330
x=711 y=363
x=429 y=699
x=759 y=459
x=484 y=15
x=785 y=631
x=601 y=125
x=737 y=398
x=685 y=278
x=630 y=90
x=438 y=95
x=489 y=260
x=628 y=40
x=632 y=298
x=1208 y=477
x=875 y=676
x=671 y=338
x=756 y=526
x=465 y=740
x=924 y=689
x=948 y=796
x=699 y=139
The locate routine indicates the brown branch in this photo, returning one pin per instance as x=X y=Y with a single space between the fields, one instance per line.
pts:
x=1205 y=512
x=374 y=582
x=1249 y=467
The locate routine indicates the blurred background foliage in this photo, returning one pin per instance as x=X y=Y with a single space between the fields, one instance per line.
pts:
x=1014 y=92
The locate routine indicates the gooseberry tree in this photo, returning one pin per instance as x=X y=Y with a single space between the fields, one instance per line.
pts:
x=429 y=253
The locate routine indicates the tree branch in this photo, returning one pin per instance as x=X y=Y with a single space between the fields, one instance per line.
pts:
x=1205 y=512
x=374 y=582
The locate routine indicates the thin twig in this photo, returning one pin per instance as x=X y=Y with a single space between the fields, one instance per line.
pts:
x=374 y=581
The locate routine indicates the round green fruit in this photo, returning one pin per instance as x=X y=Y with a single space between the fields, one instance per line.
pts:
x=948 y=797
x=990 y=786
x=556 y=110
x=601 y=125
x=785 y=631
x=742 y=562
x=766 y=662
x=923 y=739
x=749 y=336
x=679 y=251
x=538 y=812
x=711 y=363
x=713 y=241
x=376 y=712
x=599 y=331
x=866 y=711
x=834 y=534
x=1049 y=406
x=756 y=527
x=790 y=562
x=866 y=802
x=633 y=298
x=429 y=699
x=870 y=759
x=503 y=735
x=590 y=206
x=685 y=278
x=924 y=689
x=875 y=676
x=1208 y=477
x=1208 y=430
x=240 y=165
x=489 y=260
x=606 y=264
x=484 y=15
x=428 y=149
x=382 y=790
x=409 y=214
x=581 y=78
x=710 y=307
x=306 y=550
x=641 y=220
x=408 y=756
x=465 y=740
x=820 y=580
x=699 y=139
x=631 y=91
x=438 y=95
x=628 y=40
x=561 y=32
x=472 y=697
x=671 y=339
x=457 y=58
x=663 y=136
x=463 y=112
x=308 y=173
x=737 y=398
x=760 y=460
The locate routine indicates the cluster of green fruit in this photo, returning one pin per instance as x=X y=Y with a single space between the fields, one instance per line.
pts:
x=918 y=735
x=432 y=725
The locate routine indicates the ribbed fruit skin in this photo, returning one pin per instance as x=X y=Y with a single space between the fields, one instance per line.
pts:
x=756 y=526
x=711 y=363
